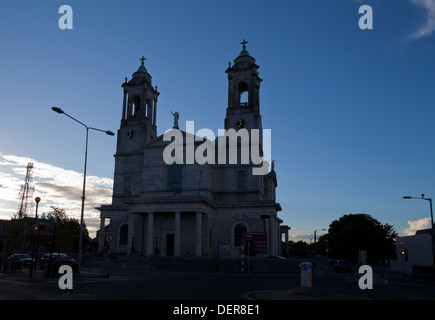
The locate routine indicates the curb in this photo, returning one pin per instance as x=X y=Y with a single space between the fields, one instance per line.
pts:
x=296 y=294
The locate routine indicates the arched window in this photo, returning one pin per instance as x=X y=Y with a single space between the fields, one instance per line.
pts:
x=244 y=99
x=123 y=235
x=136 y=103
x=243 y=92
x=239 y=231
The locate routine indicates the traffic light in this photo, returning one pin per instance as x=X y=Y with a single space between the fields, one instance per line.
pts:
x=35 y=228
x=405 y=254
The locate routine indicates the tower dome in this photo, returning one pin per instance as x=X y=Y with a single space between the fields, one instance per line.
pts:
x=142 y=66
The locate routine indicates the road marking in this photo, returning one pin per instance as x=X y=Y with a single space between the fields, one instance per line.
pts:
x=375 y=280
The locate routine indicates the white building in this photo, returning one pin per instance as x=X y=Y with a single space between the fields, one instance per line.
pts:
x=417 y=251
x=185 y=209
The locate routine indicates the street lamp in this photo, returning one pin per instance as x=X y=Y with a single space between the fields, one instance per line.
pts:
x=108 y=132
x=431 y=222
x=35 y=227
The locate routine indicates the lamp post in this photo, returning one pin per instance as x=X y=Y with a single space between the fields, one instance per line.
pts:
x=37 y=199
x=108 y=132
x=431 y=222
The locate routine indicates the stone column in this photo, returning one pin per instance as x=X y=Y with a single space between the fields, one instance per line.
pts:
x=273 y=236
x=143 y=111
x=101 y=236
x=150 y=233
x=287 y=245
x=155 y=112
x=131 y=218
x=150 y=110
x=198 y=234
x=124 y=106
x=230 y=95
x=129 y=109
x=267 y=229
x=177 y=236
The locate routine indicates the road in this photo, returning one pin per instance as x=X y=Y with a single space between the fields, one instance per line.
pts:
x=140 y=284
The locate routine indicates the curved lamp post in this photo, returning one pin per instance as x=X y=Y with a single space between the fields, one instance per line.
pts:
x=108 y=132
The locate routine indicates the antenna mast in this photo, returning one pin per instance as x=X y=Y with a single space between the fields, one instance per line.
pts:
x=25 y=206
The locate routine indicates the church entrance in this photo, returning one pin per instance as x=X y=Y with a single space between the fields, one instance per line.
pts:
x=169 y=244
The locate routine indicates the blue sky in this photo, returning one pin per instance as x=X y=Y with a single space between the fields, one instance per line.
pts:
x=351 y=111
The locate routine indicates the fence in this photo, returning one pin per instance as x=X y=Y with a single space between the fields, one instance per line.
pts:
x=9 y=266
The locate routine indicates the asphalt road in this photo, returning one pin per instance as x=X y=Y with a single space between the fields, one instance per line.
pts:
x=140 y=284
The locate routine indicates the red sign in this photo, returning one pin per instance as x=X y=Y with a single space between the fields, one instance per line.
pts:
x=255 y=243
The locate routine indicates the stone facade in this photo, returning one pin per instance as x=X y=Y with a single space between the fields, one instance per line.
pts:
x=187 y=209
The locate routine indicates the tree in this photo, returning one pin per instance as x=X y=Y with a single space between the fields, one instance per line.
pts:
x=354 y=232
x=67 y=230
x=299 y=248
x=300 y=245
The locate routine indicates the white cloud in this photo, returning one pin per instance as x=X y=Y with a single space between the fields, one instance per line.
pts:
x=296 y=234
x=423 y=223
x=55 y=186
x=429 y=27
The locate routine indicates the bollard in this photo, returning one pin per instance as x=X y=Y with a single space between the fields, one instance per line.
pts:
x=306 y=270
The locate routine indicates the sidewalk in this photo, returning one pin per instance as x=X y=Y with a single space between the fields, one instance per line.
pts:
x=38 y=275
x=23 y=275
x=297 y=294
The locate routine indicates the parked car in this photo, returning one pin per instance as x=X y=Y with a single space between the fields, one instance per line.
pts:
x=343 y=266
x=58 y=258
x=23 y=257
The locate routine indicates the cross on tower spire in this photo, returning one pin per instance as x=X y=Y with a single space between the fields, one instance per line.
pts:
x=244 y=52
x=244 y=42
x=142 y=67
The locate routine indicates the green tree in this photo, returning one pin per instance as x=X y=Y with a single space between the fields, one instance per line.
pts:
x=299 y=245
x=354 y=232
x=67 y=231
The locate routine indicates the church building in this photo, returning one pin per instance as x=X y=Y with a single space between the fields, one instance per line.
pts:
x=184 y=208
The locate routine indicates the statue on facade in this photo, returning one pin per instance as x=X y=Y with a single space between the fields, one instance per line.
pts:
x=176 y=117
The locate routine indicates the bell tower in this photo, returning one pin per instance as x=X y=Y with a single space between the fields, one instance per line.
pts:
x=243 y=109
x=138 y=127
x=139 y=111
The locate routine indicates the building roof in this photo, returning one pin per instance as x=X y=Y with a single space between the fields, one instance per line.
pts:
x=423 y=231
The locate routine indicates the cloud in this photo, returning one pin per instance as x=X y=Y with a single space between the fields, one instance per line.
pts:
x=55 y=186
x=296 y=234
x=429 y=27
x=423 y=223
